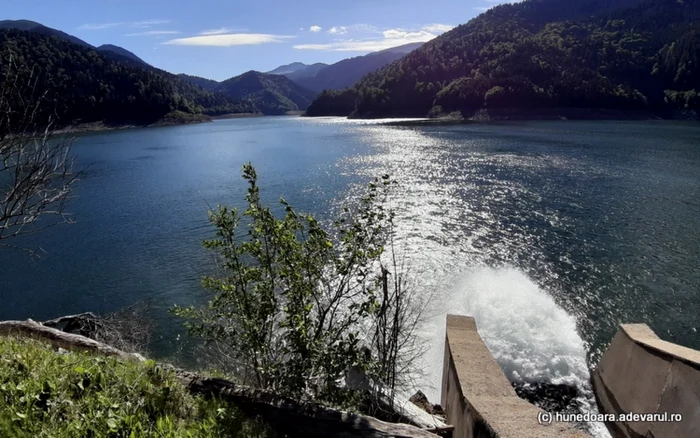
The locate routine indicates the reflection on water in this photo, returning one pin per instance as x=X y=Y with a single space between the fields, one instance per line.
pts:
x=549 y=233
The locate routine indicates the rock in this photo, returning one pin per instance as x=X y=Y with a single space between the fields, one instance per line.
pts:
x=421 y=400
x=439 y=411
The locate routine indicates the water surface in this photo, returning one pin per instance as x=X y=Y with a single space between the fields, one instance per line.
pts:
x=549 y=233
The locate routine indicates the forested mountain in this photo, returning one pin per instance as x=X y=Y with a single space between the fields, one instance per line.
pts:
x=84 y=85
x=271 y=94
x=298 y=70
x=345 y=73
x=207 y=84
x=612 y=54
x=110 y=49
x=39 y=28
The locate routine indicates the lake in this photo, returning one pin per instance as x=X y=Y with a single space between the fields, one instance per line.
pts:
x=549 y=233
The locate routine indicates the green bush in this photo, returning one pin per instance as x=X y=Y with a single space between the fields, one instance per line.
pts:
x=297 y=305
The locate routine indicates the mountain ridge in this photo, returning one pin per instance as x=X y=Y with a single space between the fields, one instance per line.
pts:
x=120 y=51
x=272 y=94
x=297 y=69
x=33 y=26
x=631 y=54
x=347 y=72
x=85 y=85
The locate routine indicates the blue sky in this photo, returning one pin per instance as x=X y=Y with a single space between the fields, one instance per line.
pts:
x=220 y=39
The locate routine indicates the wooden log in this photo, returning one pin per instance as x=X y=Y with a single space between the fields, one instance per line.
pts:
x=296 y=418
x=397 y=404
x=80 y=317
x=86 y=324
x=61 y=339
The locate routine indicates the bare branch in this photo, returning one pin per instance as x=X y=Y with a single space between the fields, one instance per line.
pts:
x=36 y=168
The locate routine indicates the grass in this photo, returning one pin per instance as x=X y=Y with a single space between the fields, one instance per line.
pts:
x=47 y=394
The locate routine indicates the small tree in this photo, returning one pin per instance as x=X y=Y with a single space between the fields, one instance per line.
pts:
x=298 y=305
x=36 y=173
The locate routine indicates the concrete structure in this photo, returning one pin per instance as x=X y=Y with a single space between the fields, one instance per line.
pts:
x=478 y=398
x=640 y=373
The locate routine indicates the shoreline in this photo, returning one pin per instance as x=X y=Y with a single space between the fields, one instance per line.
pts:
x=517 y=114
x=102 y=127
x=164 y=122
x=236 y=116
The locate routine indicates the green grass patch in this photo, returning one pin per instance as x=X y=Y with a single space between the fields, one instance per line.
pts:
x=46 y=394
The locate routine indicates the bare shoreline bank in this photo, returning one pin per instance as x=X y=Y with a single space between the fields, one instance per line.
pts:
x=101 y=126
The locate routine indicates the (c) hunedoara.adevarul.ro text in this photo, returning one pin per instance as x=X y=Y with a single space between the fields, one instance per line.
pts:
x=547 y=418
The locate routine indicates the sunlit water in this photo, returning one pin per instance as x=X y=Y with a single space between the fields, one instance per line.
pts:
x=549 y=233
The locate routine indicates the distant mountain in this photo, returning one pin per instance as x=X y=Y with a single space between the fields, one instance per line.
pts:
x=110 y=49
x=541 y=55
x=207 y=84
x=297 y=70
x=271 y=94
x=39 y=28
x=82 y=85
x=345 y=73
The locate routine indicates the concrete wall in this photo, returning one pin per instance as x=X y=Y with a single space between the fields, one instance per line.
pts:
x=478 y=398
x=640 y=373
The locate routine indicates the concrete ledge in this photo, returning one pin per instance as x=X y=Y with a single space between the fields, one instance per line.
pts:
x=478 y=398
x=641 y=373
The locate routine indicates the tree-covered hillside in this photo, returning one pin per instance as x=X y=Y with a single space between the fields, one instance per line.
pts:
x=271 y=94
x=630 y=54
x=111 y=49
x=207 y=84
x=82 y=85
x=39 y=28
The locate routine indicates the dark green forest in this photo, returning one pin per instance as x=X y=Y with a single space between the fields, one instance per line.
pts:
x=271 y=94
x=621 y=55
x=78 y=84
x=207 y=84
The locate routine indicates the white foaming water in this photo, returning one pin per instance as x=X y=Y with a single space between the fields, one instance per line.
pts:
x=532 y=338
x=446 y=224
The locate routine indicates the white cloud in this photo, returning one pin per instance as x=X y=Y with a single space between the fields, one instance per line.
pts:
x=389 y=38
x=99 y=26
x=228 y=40
x=219 y=31
x=340 y=30
x=149 y=23
x=154 y=32
x=139 y=24
x=438 y=28
x=359 y=28
x=315 y=28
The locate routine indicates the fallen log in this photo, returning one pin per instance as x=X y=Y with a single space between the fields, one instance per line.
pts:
x=295 y=418
x=86 y=324
x=291 y=417
x=61 y=339
x=399 y=406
